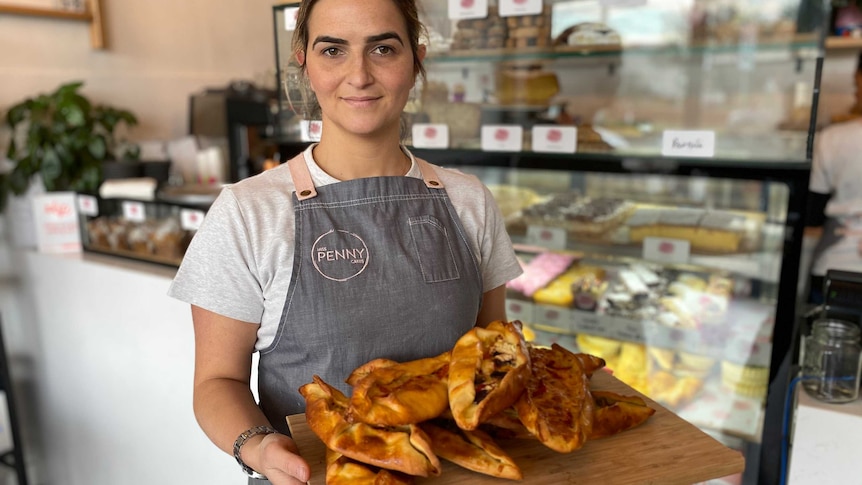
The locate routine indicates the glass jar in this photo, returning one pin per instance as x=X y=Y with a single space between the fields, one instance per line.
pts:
x=832 y=362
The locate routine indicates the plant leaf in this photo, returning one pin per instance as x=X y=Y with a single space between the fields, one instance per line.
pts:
x=52 y=166
x=97 y=147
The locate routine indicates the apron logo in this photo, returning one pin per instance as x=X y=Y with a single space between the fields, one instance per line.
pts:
x=339 y=255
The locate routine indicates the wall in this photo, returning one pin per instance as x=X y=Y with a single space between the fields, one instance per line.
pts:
x=159 y=52
x=81 y=385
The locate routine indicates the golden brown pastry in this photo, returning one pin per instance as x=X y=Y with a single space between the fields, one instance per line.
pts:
x=474 y=450
x=403 y=448
x=556 y=405
x=506 y=425
x=590 y=363
x=615 y=413
x=489 y=370
x=394 y=394
x=341 y=470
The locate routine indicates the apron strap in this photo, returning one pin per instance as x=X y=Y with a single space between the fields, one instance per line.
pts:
x=429 y=175
x=305 y=186
x=301 y=177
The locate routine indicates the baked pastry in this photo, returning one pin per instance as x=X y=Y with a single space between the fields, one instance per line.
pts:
x=672 y=390
x=540 y=271
x=615 y=413
x=507 y=425
x=394 y=394
x=472 y=449
x=403 y=448
x=341 y=470
x=489 y=370
x=556 y=405
x=745 y=380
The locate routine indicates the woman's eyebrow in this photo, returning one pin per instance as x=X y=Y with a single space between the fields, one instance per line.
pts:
x=329 y=40
x=368 y=40
x=384 y=36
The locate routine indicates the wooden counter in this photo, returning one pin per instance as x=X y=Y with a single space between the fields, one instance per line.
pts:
x=666 y=450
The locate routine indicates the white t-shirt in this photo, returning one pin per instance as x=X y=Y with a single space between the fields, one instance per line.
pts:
x=240 y=262
x=837 y=169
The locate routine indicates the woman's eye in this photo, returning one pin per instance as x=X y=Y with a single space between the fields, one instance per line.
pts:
x=384 y=50
x=330 y=51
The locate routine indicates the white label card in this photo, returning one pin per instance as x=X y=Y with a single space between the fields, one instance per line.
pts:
x=88 y=205
x=662 y=250
x=191 y=219
x=519 y=310
x=56 y=218
x=290 y=18
x=511 y=8
x=502 y=138
x=688 y=143
x=622 y=3
x=468 y=9
x=310 y=130
x=427 y=135
x=547 y=237
x=555 y=139
x=134 y=211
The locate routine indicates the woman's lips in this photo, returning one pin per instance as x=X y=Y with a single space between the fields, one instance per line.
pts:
x=360 y=101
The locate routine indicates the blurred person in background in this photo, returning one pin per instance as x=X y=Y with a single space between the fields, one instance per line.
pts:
x=835 y=195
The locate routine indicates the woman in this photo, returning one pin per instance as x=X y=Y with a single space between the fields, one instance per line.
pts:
x=352 y=251
x=835 y=196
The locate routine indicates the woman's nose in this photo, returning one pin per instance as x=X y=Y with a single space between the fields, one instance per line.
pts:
x=360 y=71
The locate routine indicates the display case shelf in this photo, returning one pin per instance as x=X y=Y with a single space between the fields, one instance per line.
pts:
x=800 y=46
x=744 y=76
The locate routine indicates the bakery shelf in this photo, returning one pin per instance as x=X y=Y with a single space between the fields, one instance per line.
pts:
x=843 y=43
x=804 y=46
x=647 y=81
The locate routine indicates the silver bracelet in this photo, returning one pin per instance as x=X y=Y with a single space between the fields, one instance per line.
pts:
x=241 y=439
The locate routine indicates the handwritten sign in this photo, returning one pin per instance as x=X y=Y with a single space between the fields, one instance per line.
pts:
x=56 y=218
x=688 y=143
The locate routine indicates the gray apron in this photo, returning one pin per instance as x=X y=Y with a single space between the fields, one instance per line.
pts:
x=382 y=269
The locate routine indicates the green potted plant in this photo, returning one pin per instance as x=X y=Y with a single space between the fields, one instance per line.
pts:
x=64 y=139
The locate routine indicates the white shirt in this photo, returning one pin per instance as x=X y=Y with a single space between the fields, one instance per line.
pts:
x=837 y=169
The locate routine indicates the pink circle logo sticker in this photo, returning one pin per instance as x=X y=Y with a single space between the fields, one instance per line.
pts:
x=339 y=255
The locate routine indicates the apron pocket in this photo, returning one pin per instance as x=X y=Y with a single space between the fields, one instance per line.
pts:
x=433 y=249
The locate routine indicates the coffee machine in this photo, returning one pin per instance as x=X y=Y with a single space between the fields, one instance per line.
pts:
x=240 y=119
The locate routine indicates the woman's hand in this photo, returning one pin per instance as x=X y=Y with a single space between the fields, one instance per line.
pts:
x=277 y=457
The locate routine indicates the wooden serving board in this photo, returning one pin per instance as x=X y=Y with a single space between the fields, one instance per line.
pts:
x=666 y=450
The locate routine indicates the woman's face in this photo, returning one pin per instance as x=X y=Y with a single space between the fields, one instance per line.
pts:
x=360 y=65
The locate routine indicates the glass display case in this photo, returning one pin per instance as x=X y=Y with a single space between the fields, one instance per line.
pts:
x=651 y=159
x=156 y=231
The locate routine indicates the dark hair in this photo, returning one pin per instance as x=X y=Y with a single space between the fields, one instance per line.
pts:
x=408 y=9
x=859 y=64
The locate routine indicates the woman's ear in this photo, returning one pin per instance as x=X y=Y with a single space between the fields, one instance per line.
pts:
x=300 y=57
x=421 y=50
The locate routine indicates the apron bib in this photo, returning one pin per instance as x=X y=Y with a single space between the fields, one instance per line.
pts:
x=382 y=269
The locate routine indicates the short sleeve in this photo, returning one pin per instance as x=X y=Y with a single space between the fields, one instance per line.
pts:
x=499 y=263
x=218 y=271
